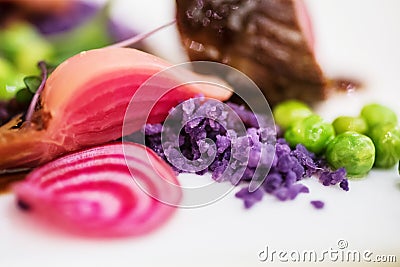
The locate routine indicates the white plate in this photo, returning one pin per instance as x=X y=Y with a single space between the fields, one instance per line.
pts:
x=355 y=38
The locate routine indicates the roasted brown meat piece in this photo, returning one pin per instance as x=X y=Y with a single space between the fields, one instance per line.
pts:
x=269 y=40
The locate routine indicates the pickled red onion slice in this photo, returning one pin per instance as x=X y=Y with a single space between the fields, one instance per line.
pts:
x=107 y=191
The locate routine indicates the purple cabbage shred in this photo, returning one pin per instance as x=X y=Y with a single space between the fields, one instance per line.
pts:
x=317 y=204
x=237 y=154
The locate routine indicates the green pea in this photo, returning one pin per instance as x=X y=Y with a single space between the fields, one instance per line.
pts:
x=313 y=132
x=386 y=138
x=353 y=151
x=376 y=114
x=346 y=123
x=290 y=111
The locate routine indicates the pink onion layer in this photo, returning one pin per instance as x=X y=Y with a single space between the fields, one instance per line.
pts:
x=107 y=191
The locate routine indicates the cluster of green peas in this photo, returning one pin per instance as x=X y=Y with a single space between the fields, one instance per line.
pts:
x=355 y=143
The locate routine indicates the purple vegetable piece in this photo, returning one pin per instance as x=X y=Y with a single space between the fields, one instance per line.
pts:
x=285 y=163
x=248 y=117
x=281 y=193
x=240 y=148
x=298 y=170
x=223 y=143
x=290 y=179
x=250 y=198
x=119 y=32
x=282 y=148
x=307 y=160
x=153 y=129
x=344 y=184
x=218 y=171
x=267 y=135
x=272 y=182
x=306 y=157
x=325 y=178
x=290 y=192
x=317 y=204
x=331 y=178
x=254 y=158
x=295 y=189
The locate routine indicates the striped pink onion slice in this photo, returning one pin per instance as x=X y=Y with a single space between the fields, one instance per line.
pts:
x=107 y=191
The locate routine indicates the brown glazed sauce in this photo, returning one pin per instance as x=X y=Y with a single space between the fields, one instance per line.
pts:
x=345 y=85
